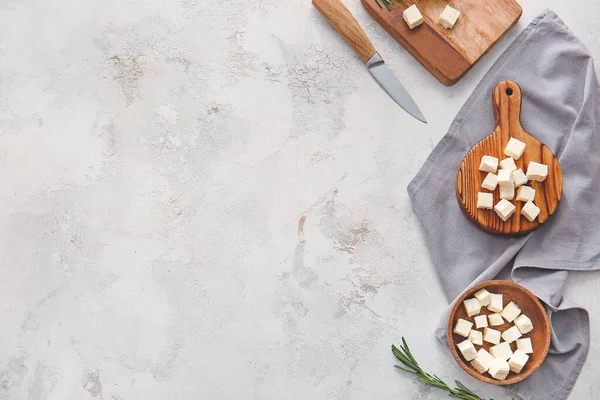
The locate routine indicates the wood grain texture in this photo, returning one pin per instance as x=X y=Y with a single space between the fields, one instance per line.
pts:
x=448 y=53
x=507 y=111
x=530 y=306
x=344 y=23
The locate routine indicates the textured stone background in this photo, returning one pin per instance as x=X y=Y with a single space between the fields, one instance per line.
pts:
x=206 y=199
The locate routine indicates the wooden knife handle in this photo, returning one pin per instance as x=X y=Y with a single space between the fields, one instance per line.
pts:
x=344 y=23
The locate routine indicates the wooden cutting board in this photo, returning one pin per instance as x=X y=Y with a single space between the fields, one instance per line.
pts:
x=448 y=53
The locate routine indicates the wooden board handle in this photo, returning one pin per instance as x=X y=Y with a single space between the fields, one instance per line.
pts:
x=506 y=103
x=344 y=23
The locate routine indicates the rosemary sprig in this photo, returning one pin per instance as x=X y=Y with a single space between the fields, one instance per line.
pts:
x=412 y=366
x=386 y=3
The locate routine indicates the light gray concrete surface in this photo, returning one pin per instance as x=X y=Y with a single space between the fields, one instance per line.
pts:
x=156 y=159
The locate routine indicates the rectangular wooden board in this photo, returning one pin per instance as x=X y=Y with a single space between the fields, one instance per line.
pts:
x=448 y=53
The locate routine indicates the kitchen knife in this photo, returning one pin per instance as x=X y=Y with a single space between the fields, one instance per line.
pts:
x=344 y=23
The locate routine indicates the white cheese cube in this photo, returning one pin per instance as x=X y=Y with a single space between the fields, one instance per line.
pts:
x=412 y=16
x=530 y=211
x=526 y=193
x=485 y=201
x=519 y=177
x=524 y=324
x=495 y=303
x=511 y=334
x=448 y=17
x=518 y=361
x=463 y=327
x=490 y=182
x=472 y=307
x=483 y=361
x=505 y=178
x=501 y=351
x=495 y=319
x=507 y=192
x=467 y=349
x=499 y=369
x=511 y=311
x=488 y=164
x=504 y=209
x=537 y=172
x=491 y=335
x=481 y=321
x=476 y=337
x=483 y=296
x=514 y=148
x=508 y=164
x=525 y=345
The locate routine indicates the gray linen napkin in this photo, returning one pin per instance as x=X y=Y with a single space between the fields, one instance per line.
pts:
x=560 y=107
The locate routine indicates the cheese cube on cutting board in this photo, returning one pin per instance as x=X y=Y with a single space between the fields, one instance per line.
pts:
x=519 y=177
x=495 y=303
x=481 y=321
x=526 y=193
x=485 y=201
x=517 y=361
x=483 y=361
x=537 y=172
x=511 y=311
x=490 y=182
x=530 y=211
x=467 y=349
x=483 y=296
x=499 y=369
x=511 y=334
x=412 y=16
x=524 y=324
x=463 y=327
x=505 y=178
x=472 y=307
x=514 y=148
x=448 y=17
x=507 y=192
x=508 y=164
x=488 y=164
x=504 y=209
x=491 y=336
x=476 y=337
x=495 y=319
x=525 y=345
x=501 y=351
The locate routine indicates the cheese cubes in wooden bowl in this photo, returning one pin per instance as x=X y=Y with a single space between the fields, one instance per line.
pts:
x=499 y=332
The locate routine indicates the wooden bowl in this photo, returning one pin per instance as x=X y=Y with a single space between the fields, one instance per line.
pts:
x=530 y=306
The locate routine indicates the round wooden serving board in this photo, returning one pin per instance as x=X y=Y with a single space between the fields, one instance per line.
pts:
x=506 y=103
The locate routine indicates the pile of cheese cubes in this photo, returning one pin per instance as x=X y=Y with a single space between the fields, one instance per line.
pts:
x=500 y=359
x=508 y=179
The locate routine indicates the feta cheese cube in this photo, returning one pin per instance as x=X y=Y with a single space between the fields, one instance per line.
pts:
x=501 y=351
x=472 y=307
x=537 y=172
x=481 y=321
x=499 y=369
x=525 y=345
x=488 y=164
x=463 y=327
x=530 y=211
x=507 y=192
x=519 y=177
x=485 y=201
x=495 y=319
x=412 y=16
x=511 y=334
x=490 y=182
x=467 y=349
x=483 y=361
x=508 y=164
x=511 y=311
x=495 y=303
x=514 y=148
x=504 y=209
x=491 y=335
x=505 y=178
x=476 y=337
x=524 y=324
x=483 y=296
x=518 y=361
x=448 y=17
x=526 y=193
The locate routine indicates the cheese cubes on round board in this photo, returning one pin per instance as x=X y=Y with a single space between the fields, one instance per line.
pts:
x=500 y=329
x=508 y=179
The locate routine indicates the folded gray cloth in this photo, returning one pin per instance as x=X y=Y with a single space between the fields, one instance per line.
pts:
x=561 y=108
